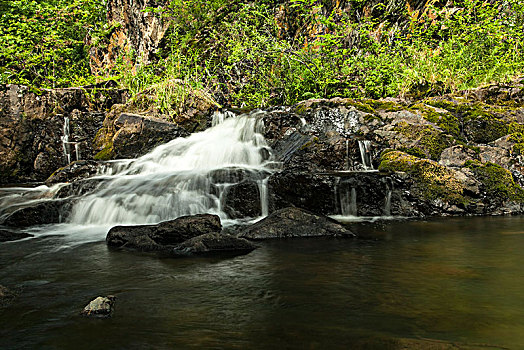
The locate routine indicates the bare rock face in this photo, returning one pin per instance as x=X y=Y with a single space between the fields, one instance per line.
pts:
x=134 y=30
x=32 y=127
x=132 y=135
x=100 y=307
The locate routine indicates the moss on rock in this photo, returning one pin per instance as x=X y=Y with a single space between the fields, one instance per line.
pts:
x=498 y=182
x=431 y=180
x=430 y=141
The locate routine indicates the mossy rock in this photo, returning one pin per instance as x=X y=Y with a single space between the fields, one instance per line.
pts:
x=430 y=140
x=107 y=153
x=431 y=180
x=446 y=121
x=498 y=182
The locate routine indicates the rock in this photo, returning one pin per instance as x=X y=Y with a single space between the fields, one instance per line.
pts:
x=6 y=235
x=294 y=222
x=133 y=30
x=214 y=243
x=164 y=236
x=4 y=292
x=75 y=171
x=133 y=135
x=47 y=212
x=101 y=307
x=243 y=200
x=457 y=156
x=310 y=191
x=32 y=126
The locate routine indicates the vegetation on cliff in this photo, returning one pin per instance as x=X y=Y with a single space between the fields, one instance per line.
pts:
x=269 y=52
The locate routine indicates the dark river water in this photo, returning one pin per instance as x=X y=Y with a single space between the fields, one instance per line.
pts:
x=447 y=280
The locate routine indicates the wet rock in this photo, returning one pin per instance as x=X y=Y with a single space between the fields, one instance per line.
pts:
x=47 y=212
x=6 y=235
x=214 y=243
x=164 y=236
x=294 y=222
x=309 y=191
x=101 y=307
x=75 y=171
x=243 y=200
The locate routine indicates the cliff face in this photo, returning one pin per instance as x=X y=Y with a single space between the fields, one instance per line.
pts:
x=32 y=128
x=133 y=32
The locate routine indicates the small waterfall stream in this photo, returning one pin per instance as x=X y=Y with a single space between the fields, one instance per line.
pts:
x=65 y=141
x=365 y=154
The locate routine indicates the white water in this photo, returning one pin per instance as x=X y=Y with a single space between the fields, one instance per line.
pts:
x=65 y=141
x=348 y=202
x=365 y=154
x=179 y=178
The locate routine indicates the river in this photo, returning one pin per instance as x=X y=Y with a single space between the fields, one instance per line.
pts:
x=452 y=280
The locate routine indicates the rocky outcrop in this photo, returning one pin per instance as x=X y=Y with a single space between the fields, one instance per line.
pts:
x=32 y=127
x=162 y=237
x=132 y=29
x=6 y=235
x=214 y=243
x=42 y=213
x=294 y=222
x=133 y=135
x=100 y=307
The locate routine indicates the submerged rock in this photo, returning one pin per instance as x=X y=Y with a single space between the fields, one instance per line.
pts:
x=214 y=243
x=164 y=236
x=6 y=235
x=100 y=307
x=294 y=222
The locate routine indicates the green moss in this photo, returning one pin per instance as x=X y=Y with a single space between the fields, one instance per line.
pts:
x=106 y=153
x=498 y=182
x=363 y=107
x=446 y=121
x=386 y=106
x=432 y=180
x=430 y=140
x=414 y=151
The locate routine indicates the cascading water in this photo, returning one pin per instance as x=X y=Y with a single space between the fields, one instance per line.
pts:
x=365 y=154
x=179 y=178
x=65 y=141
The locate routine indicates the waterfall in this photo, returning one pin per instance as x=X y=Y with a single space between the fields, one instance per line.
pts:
x=262 y=189
x=77 y=150
x=65 y=141
x=180 y=177
x=348 y=202
x=365 y=154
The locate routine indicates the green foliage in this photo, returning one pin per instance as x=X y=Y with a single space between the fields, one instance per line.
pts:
x=42 y=42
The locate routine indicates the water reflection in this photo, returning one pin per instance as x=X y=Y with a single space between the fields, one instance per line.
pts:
x=456 y=280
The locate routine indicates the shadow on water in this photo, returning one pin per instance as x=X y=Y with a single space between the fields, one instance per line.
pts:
x=455 y=280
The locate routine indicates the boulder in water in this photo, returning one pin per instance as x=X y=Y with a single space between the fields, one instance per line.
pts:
x=43 y=213
x=214 y=243
x=294 y=222
x=100 y=307
x=6 y=235
x=164 y=236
